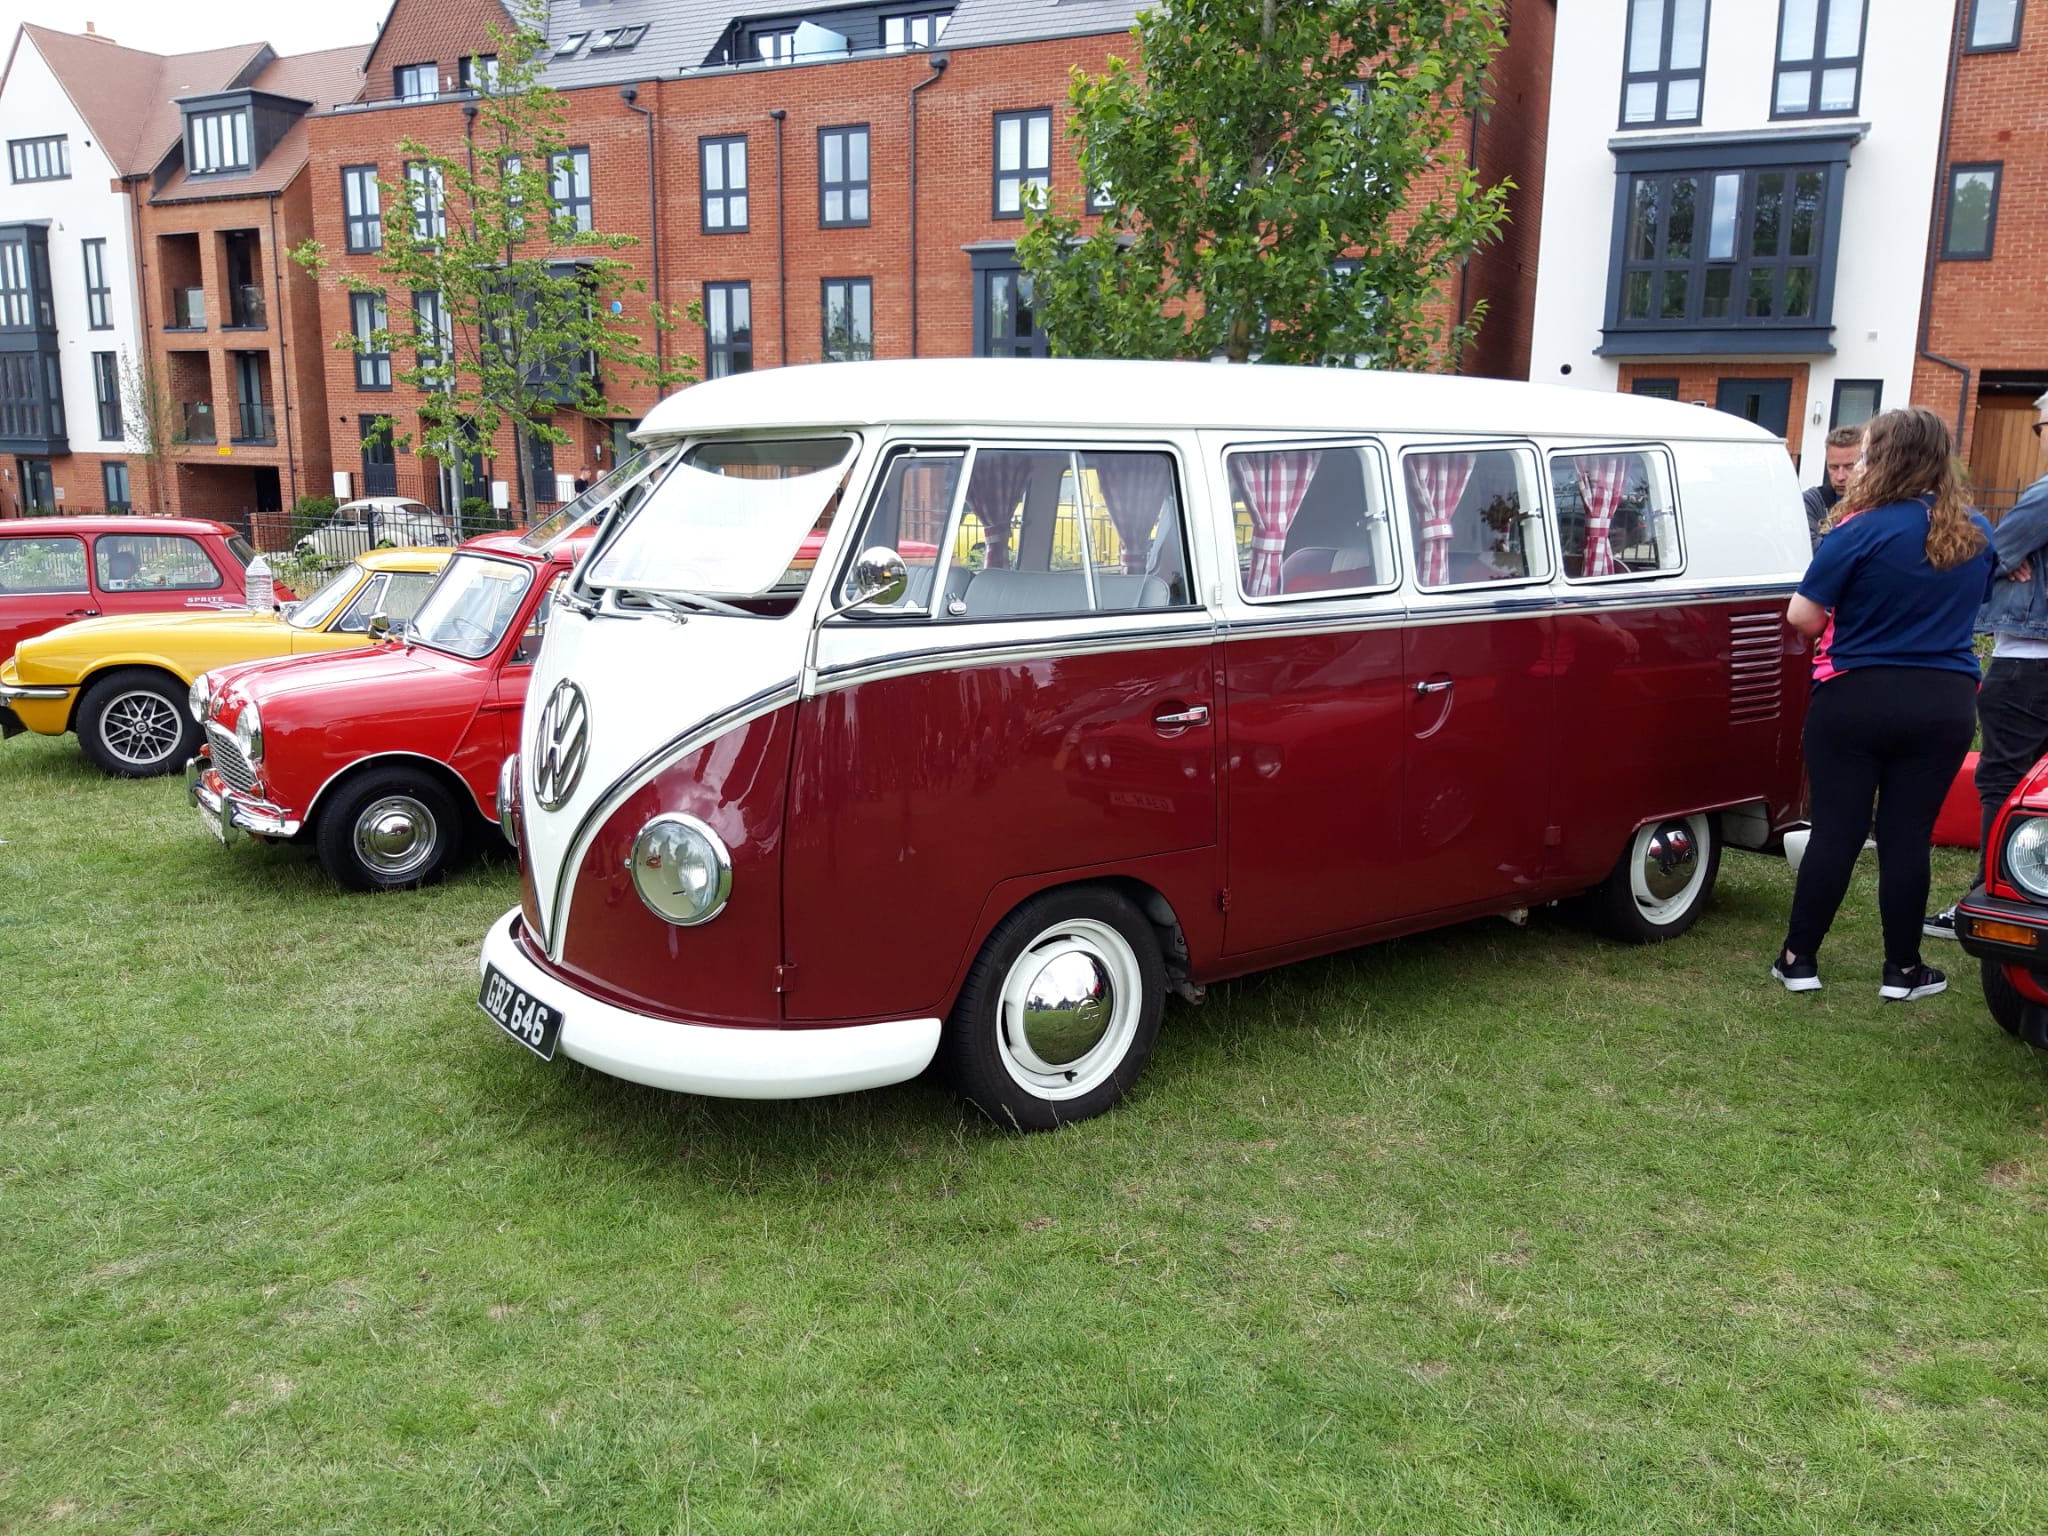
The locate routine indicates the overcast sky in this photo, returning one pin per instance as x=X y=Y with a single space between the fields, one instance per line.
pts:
x=298 y=26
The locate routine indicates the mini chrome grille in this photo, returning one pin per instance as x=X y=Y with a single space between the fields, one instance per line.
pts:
x=1756 y=670
x=228 y=760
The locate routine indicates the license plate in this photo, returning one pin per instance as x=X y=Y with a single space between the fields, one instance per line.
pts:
x=210 y=818
x=520 y=1014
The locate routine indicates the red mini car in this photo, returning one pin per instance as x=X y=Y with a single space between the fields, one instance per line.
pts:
x=2004 y=920
x=386 y=759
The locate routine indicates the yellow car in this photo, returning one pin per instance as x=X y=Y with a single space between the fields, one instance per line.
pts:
x=124 y=683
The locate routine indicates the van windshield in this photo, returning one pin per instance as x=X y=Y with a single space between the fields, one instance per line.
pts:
x=737 y=519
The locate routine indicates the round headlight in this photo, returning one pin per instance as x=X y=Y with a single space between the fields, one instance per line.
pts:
x=202 y=696
x=681 y=870
x=249 y=733
x=2026 y=856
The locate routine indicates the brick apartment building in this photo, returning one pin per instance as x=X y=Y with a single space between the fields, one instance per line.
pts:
x=1983 y=354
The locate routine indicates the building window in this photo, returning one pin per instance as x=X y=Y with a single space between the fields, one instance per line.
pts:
x=114 y=481
x=1994 y=25
x=540 y=467
x=99 y=298
x=1972 y=212
x=1005 y=321
x=1667 y=52
x=363 y=207
x=1820 y=58
x=217 y=141
x=17 y=307
x=842 y=177
x=913 y=29
x=380 y=465
x=417 y=82
x=1654 y=389
x=373 y=360
x=725 y=185
x=434 y=335
x=106 y=394
x=478 y=72
x=1725 y=248
x=849 y=315
x=570 y=187
x=1023 y=159
x=429 y=210
x=1856 y=401
x=40 y=159
x=728 y=329
x=776 y=47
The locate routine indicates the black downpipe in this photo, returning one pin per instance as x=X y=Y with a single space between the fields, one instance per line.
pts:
x=939 y=63
x=781 y=247
x=1941 y=181
x=284 y=368
x=630 y=94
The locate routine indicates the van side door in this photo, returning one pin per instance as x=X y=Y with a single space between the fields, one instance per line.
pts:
x=1038 y=707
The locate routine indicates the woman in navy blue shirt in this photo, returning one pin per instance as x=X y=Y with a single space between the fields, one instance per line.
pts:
x=1904 y=567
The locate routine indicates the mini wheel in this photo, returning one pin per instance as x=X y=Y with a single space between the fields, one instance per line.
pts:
x=1060 y=1012
x=136 y=724
x=1661 y=884
x=389 y=830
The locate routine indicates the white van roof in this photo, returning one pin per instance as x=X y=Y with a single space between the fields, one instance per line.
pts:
x=1161 y=396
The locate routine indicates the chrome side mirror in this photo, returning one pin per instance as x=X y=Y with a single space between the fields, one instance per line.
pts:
x=380 y=626
x=879 y=576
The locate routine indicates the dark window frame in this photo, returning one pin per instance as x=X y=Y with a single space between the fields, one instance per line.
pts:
x=2019 y=27
x=1819 y=62
x=99 y=289
x=196 y=138
x=106 y=395
x=427 y=195
x=373 y=369
x=937 y=16
x=398 y=79
x=564 y=200
x=848 y=184
x=362 y=231
x=1664 y=76
x=21 y=152
x=825 y=298
x=1663 y=387
x=720 y=357
x=124 y=502
x=989 y=265
x=1996 y=168
x=1835 y=405
x=723 y=143
x=1024 y=171
x=467 y=73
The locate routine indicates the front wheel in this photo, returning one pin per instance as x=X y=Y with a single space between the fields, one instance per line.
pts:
x=135 y=724
x=388 y=831
x=1060 y=1013
x=1661 y=885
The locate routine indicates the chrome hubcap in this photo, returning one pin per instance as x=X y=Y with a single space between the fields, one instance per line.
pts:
x=1069 y=1009
x=396 y=836
x=1666 y=871
x=141 y=728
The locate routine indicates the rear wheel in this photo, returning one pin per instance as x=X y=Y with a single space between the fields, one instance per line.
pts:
x=1060 y=1013
x=136 y=724
x=389 y=830
x=1661 y=885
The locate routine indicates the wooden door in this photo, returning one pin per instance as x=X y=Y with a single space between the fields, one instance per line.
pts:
x=2005 y=456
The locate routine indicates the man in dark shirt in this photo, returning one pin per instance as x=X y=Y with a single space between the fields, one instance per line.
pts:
x=1845 y=447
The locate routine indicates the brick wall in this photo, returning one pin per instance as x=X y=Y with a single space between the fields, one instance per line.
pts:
x=1698 y=382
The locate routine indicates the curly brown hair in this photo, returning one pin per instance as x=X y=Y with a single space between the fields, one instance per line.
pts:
x=1907 y=454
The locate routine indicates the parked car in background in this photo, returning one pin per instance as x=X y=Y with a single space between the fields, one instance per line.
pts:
x=2003 y=922
x=386 y=760
x=124 y=684
x=56 y=569
x=380 y=522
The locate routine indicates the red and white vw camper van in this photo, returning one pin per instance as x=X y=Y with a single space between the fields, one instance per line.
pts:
x=1110 y=680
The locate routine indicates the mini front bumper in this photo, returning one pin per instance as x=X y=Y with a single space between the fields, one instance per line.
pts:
x=236 y=812
x=2009 y=932
x=715 y=1060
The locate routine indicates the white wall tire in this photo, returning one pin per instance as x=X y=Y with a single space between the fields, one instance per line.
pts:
x=1661 y=883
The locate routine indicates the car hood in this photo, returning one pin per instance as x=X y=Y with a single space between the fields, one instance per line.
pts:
x=375 y=667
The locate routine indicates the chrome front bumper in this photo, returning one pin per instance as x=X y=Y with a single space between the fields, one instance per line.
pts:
x=10 y=691
x=235 y=813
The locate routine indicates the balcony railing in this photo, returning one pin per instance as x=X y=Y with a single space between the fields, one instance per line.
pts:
x=245 y=307
x=197 y=416
x=253 y=422
x=188 y=309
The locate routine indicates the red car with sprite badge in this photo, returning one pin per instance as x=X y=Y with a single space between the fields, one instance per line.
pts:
x=387 y=759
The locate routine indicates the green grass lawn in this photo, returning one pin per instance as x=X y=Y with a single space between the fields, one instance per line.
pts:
x=1491 y=1230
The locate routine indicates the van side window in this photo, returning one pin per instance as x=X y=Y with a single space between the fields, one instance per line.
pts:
x=909 y=516
x=1615 y=514
x=1475 y=516
x=1310 y=521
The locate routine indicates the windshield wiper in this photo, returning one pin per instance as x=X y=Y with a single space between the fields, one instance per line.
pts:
x=681 y=605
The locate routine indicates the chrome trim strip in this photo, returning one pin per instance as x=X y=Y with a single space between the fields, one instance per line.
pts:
x=24 y=691
x=705 y=731
x=1519 y=608
x=941 y=657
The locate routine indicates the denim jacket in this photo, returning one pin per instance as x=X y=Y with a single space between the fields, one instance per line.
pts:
x=2021 y=607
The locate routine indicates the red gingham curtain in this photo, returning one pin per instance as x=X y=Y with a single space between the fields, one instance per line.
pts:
x=993 y=494
x=1601 y=482
x=1273 y=485
x=1136 y=486
x=1436 y=482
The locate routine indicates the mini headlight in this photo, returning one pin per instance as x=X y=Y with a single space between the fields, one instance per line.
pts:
x=202 y=696
x=681 y=870
x=2026 y=856
x=249 y=733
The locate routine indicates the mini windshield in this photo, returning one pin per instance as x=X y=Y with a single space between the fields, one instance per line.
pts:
x=316 y=610
x=731 y=521
x=471 y=606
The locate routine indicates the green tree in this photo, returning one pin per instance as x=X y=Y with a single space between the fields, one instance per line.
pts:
x=495 y=296
x=1259 y=146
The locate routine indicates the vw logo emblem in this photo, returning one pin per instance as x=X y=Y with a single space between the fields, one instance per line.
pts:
x=560 y=745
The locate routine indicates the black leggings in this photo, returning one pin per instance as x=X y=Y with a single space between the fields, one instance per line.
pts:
x=1896 y=736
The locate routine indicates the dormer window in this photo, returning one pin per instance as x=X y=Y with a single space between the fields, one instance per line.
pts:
x=915 y=29
x=570 y=44
x=417 y=82
x=217 y=141
x=478 y=72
